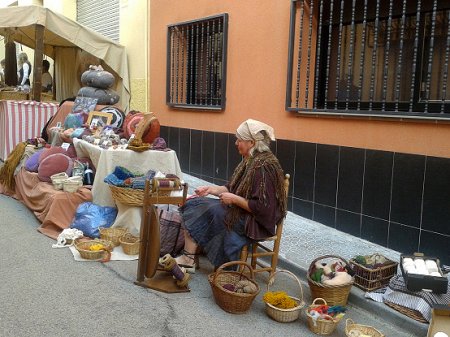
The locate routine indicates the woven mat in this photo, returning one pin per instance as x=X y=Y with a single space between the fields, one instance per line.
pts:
x=116 y=255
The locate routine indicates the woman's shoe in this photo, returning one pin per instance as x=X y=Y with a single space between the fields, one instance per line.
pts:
x=190 y=268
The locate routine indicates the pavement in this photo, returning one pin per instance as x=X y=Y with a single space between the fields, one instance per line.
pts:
x=45 y=292
x=305 y=240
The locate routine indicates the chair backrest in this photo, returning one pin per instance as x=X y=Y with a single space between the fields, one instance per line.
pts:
x=286 y=193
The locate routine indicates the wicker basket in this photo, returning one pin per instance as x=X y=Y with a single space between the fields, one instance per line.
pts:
x=232 y=302
x=130 y=244
x=72 y=184
x=285 y=315
x=14 y=95
x=333 y=294
x=112 y=234
x=83 y=248
x=362 y=329
x=371 y=279
x=320 y=326
x=58 y=180
x=131 y=196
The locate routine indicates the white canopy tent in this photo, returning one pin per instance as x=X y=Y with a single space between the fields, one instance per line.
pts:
x=67 y=42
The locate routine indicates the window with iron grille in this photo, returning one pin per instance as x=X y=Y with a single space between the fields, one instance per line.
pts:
x=370 y=57
x=196 y=63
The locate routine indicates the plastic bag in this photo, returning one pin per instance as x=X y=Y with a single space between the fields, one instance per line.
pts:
x=89 y=217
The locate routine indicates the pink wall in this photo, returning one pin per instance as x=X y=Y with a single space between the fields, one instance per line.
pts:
x=256 y=83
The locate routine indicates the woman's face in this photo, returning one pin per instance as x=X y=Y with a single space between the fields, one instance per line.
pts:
x=244 y=146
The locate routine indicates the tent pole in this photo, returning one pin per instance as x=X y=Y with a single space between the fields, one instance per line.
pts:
x=38 y=52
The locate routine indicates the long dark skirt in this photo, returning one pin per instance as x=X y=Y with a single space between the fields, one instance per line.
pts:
x=204 y=220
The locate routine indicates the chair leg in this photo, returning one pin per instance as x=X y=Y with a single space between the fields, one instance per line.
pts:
x=254 y=257
x=244 y=257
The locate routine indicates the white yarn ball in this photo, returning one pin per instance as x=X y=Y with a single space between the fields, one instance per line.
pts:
x=440 y=334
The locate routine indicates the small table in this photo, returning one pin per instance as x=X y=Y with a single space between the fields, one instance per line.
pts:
x=105 y=161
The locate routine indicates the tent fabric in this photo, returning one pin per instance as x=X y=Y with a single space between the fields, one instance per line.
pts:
x=61 y=33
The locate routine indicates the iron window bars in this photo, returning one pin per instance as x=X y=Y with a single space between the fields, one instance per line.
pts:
x=196 y=63
x=369 y=57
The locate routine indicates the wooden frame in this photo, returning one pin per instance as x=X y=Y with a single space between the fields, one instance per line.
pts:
x=103 y=117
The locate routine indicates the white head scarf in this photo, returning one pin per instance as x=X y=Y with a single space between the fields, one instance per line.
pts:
x=251 y=130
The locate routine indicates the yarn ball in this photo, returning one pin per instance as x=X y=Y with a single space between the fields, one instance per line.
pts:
x=118 y=116
x=54 y=163
x=32 y=163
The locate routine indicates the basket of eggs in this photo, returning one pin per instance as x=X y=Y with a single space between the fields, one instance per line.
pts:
x=279 y=305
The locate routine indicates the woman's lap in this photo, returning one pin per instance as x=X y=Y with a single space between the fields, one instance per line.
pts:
x=204 y=220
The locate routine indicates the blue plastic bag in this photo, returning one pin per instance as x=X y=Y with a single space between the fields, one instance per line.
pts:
x=90 y=217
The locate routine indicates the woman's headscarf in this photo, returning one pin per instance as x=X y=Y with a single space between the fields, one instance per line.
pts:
x=251 y=130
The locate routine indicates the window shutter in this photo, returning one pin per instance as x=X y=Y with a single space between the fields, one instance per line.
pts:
x=101 y=16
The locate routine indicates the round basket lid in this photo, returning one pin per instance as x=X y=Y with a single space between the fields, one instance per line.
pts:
x=117 y=115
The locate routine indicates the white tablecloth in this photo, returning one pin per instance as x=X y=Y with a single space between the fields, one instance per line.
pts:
x=22 y=120
x=105 y=162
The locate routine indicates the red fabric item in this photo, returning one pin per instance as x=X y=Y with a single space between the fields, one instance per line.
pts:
x=55 y=163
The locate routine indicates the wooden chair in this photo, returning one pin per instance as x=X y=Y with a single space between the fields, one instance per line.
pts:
x=269 y=247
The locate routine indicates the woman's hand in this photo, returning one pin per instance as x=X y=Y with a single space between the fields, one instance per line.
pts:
x=202 y=191
x=227 y=198
x=231 y=199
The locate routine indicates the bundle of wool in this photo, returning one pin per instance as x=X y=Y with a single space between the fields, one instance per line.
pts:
x=7 y=170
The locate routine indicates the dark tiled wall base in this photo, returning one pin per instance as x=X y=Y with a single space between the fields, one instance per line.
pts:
x=397 y=200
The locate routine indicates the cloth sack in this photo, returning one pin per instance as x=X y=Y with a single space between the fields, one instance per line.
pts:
x=171 y=230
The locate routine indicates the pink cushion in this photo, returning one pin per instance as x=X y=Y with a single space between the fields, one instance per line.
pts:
x=49 y=151
x=54 y=163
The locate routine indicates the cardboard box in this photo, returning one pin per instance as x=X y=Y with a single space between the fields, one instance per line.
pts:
x=440 y=320
x=416 y=282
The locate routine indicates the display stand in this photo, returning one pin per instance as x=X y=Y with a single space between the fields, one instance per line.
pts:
x=149 y=273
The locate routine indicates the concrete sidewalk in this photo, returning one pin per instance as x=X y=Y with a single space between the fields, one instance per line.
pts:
x=305 y=240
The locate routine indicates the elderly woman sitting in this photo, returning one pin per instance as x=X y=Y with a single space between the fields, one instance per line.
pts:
x=248 y=208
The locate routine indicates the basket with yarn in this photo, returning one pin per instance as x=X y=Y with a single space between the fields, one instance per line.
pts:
x=358 y=330
x=330 y=277
x=233 y=291
x=94 y=249
x=279 y=305
x=130 y=244
x=322 y=318
x=112 y=234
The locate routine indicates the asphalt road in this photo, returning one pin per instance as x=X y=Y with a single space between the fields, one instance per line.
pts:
x=45 y=292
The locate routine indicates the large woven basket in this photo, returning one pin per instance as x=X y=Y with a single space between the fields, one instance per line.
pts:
x=320 y=326
x=232 y=302
x=361 y=329
x=333 y=294
x=127 y=196
x=83 y=248
x=112 y=234
x=130 y=244
x=285 y=315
